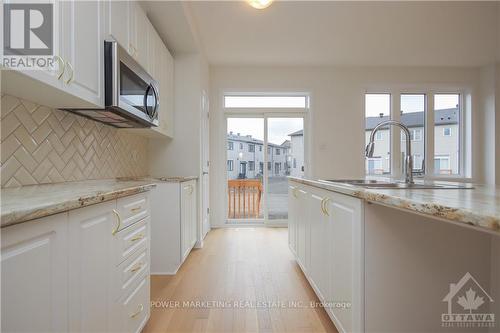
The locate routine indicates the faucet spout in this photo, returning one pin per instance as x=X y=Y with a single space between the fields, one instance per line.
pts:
x=409 y=158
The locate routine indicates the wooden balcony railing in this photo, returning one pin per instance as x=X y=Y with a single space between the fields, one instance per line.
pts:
x=244 y=198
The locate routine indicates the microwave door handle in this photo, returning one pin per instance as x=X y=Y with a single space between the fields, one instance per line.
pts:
x=157 y=102
x=146 y=109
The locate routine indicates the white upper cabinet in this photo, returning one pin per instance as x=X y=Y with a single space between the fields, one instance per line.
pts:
x=77 y=79
x=118 y=22
x=82 y=24
x=138 y=35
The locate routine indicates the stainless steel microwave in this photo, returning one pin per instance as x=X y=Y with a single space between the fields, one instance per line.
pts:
x=131 y=95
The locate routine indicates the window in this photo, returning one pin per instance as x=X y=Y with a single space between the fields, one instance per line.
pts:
x=230 y=165
x=278 y=152
x=260 y=148
x=442 y=165
x=269 y=166
x=377 y=110
x=241 y=146
x=230 y=145
x=263 y=101
x=261 y=167
x=269 y=150
x=418 y=162
x=251 y=165
x=413 y=115
x=295 y=163
x=447 y=120
x=374 y=166
x=251 y=147
x=277 y=168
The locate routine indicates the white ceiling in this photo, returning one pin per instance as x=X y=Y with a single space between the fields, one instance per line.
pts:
x=341 y=33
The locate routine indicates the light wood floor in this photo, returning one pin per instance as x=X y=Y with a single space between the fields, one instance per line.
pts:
x=248 y=265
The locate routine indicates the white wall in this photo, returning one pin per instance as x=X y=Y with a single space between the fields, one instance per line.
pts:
x=337 y=111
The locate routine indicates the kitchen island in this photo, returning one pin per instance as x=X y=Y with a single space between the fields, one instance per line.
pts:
x=403 y=258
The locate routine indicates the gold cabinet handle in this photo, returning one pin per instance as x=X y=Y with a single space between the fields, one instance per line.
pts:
x=323 y=205
x=135 y=209
x=136 y=238
x=138 y=312
x=119 y=220
x=136 y=268
x=325 y=209
x=68 y=81
x=62 y=66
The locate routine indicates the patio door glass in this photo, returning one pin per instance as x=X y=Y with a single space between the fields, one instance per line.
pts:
x=261 y=153
x=285 y=157
x=245 y=161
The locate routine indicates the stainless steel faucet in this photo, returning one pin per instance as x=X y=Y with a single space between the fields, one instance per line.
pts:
x=408 y=160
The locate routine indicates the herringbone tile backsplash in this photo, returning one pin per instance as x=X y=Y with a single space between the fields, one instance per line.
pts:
x=43 y=145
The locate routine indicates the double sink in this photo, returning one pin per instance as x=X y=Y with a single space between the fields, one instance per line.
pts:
x=382 y=184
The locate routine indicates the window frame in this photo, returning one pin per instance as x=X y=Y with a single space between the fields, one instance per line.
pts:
x=230 y=165
x=464 y=129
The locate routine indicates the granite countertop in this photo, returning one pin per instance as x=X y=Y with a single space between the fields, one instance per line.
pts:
x=25 y=203
x=478 y=207
x=175 y=179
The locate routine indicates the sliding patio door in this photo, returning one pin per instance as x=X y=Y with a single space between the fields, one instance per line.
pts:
x=285 y=157
x=261 y=152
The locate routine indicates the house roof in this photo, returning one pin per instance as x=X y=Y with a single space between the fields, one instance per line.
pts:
x=298 y=133
x=416 y=119
x=249 y=139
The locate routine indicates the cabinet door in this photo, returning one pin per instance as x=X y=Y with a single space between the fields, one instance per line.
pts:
x=318 y=255
x=154 y=50
x=118 y=22
x=302 y=228
x=166 y=88
x=35 y=275
x=139 y=33
x=194 y=214
x=82 y=45
x=185 y=219
x=49 y=77
x=345 y=218
x=90 y=265
x=292 y=217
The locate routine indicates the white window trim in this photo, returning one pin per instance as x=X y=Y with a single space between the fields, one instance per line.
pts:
x=464 y=128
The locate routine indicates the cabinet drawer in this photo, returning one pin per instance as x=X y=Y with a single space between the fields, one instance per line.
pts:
x=129 y=272
x=135 y=308
x=132 y=208
x=130 y=240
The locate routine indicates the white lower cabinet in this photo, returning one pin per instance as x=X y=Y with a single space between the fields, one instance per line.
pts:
x=35 y=276
x=81 y=271
x=188 y=217
x=90 y=264
x=329 y=237
x=174 y=225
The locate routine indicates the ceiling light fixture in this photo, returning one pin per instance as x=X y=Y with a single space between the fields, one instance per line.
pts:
x=260 y=4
